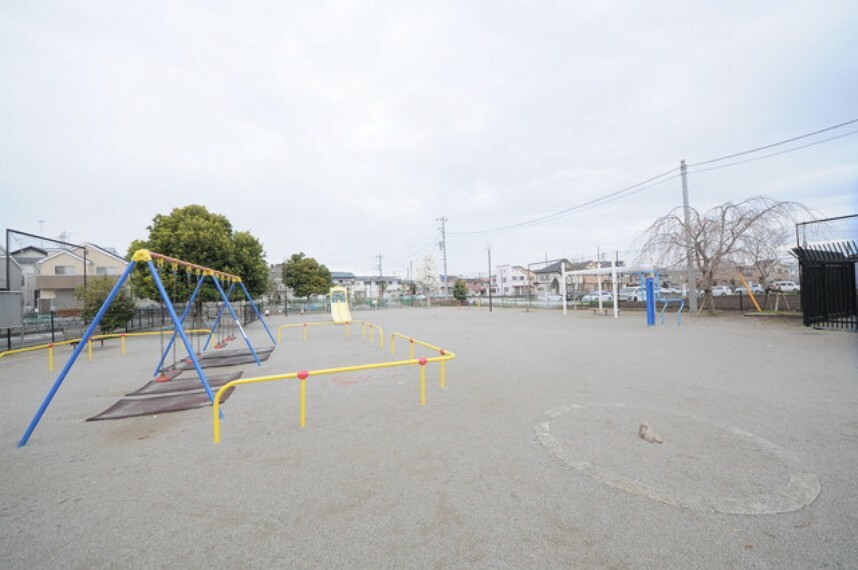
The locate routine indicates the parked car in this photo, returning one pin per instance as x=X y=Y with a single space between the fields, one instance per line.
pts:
x=719 y=291
x=756 y=289
x=574 y=295
x=785 y=287
x=594 y=296
x=633 y=294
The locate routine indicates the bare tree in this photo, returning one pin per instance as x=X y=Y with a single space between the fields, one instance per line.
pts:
x=716 y=236
x=762 y=247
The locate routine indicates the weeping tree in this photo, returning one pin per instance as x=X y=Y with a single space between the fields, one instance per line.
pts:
x=716 y=237
x=761 y=249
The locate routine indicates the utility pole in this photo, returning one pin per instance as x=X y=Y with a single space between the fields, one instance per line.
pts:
x=443 y=245
x=490 y=279
x=380 y=276
x=692 y=281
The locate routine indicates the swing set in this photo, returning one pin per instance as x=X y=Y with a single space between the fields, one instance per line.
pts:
x=154 y=261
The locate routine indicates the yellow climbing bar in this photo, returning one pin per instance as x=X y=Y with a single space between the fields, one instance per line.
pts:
x=303 y=375
x=146 y=255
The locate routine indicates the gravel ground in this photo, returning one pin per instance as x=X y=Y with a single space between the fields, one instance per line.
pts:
x=530 y=457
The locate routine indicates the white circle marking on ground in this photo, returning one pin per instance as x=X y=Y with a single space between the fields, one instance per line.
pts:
x=801 y=490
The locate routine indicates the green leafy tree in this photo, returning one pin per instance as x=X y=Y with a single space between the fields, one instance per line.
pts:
x=97 y=290
x=196 y=235
x=305 y=276
x=249 y=263
x=460 y=290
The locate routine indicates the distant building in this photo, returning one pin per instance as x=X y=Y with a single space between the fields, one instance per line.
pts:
x=512 y=280
x=61 y=272
x=16 y=281
x=376 y=286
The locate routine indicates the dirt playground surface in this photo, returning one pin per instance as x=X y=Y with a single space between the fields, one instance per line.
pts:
x=529 y=458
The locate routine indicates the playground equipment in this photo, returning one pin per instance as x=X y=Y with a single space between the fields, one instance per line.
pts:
x=147 y=257
x=364 y=327
x=653 y=296
x=303 y=375
x=340 y=305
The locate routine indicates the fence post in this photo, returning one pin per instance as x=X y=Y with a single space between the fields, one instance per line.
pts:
x=422 y=381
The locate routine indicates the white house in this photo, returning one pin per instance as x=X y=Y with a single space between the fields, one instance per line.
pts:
x=513 y=280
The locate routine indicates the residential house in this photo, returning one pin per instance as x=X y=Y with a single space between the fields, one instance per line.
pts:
x=376 y=286
x=60 y=273
x=550 y=277
x=477 y=285
x=27 y=258
x=512 y=280
x=588 y=282
x=777 y=271
x=16 y=271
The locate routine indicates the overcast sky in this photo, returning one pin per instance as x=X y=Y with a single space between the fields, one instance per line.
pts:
x=346 y=129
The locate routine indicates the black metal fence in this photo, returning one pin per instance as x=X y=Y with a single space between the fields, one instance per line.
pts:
x=43 y=329
x=829 y=297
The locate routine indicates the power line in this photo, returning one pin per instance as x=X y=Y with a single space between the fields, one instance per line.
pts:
x=418 y=250
x=773 y=153
x=606 y=198
x=645 y=184
x=744 y=152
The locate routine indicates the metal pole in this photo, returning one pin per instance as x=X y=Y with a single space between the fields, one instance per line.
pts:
x=614 y=285
x=490 y=279
x=80 y=346
x=599 y=276
x=256 y=310
x=443 y=221
x=692 y=281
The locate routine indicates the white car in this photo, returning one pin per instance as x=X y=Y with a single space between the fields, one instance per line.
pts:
x=756 y=289
x=785 y=286
x=719 y=291
x=594 y=296
x=633 y=294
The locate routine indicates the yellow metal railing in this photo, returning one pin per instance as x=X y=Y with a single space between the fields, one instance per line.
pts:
x=372 y=327
x=50 y=346
x=305 y=327
x=364 y=327
x=411 y=342
x=303 y=375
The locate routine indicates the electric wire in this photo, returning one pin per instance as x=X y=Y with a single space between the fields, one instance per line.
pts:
x=744 y=152
x=640 y=186
x=698 y=171
x=418 y=250
x=606 y=198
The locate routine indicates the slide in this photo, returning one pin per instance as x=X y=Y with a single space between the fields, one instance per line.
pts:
x=340 y=305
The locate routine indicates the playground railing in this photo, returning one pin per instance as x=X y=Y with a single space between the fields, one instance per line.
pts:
x=364 y=328
x=305 y=327
x=303 y=375
x=122 y=336
x=413 y=341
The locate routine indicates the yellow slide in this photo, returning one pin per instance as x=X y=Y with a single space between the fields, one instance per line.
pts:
x=340 y=305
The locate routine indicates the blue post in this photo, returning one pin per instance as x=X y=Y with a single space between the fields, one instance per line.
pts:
x=181 y=331
x=184 y=315
x=217 y=320
x=84 y=339
x=237 y=322
x=255 y=308
x=650 y=303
